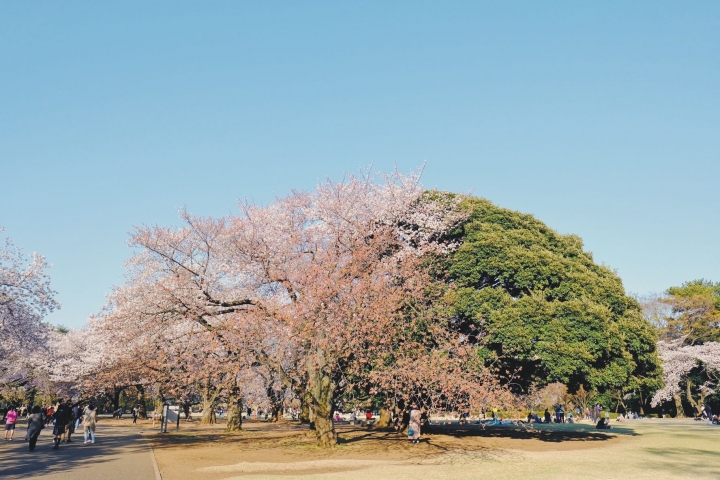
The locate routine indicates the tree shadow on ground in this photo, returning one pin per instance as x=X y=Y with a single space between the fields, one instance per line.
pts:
x=579 y=433
x=274 y=434
x=550 y=433
x=279 y=436
x=17 y=461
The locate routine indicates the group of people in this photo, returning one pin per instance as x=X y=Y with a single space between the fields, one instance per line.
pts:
x=628 y=416
x=706 y=413
x=558 y=417
x=65 y=419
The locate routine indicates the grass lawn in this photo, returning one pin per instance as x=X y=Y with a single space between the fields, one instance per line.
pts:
x=652 y=449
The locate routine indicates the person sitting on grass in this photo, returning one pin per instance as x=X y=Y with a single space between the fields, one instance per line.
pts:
x=603 y=424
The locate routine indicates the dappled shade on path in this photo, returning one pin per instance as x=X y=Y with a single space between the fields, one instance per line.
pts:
x=117 y=454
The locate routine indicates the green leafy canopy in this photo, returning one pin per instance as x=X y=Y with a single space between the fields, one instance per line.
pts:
x=547 y=311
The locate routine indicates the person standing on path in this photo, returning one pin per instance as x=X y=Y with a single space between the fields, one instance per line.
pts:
x=135 y=415
x=414 y=424
x=60 y=420
x=49 y=412
x=70 y=425
x=89 y=419
x=35 y=425
x=10 y=419
x=76 y=416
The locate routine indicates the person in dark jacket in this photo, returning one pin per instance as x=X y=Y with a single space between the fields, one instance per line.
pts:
x=76 y=416
x=603 y=424
x=60 y=419
x=35 y=424
x=70 y=425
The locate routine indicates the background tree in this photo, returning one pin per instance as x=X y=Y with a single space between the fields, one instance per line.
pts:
x=547 y=311
x=692 y=370
x=694 y=312
x=25 y=299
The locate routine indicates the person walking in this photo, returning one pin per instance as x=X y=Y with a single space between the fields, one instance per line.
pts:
x=70 y=425
x=10 y=420
x=60 y=419
x=414 y=424
x=76 y=416
x=35 y=424
x=49 y=412
x=135 y=415
x=89 y=419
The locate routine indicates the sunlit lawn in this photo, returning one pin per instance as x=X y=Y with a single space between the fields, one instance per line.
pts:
x=642 y=449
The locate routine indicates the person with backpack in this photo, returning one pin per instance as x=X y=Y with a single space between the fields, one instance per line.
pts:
x=60 y=419
x=70 y=425
x=10 y=420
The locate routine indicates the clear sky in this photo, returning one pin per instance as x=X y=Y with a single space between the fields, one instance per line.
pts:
x=600 y=118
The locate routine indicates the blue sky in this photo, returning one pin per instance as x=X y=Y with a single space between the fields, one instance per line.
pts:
x=602 y=119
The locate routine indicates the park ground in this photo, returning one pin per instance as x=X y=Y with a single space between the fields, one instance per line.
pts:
x=651 y=448
x=642 y=449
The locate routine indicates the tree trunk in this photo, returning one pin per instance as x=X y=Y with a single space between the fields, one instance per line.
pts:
x=276 y=400
x=642 y=410
x=688 y=394
x=322 y=390
x=304 y=414
x=116 y=399
x=275 y=412
x=208 y=414
x=325 y=431
x=159 y=401
x=385 y=419
x=234 y=414
x=678 y=406
x=142 y=410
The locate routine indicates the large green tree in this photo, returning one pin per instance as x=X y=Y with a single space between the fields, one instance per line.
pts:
x=694 y=312
x=544 y=309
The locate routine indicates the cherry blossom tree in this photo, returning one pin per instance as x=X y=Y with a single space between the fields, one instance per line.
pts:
x=327 y=290
x=679 y=360
x=25 y=299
